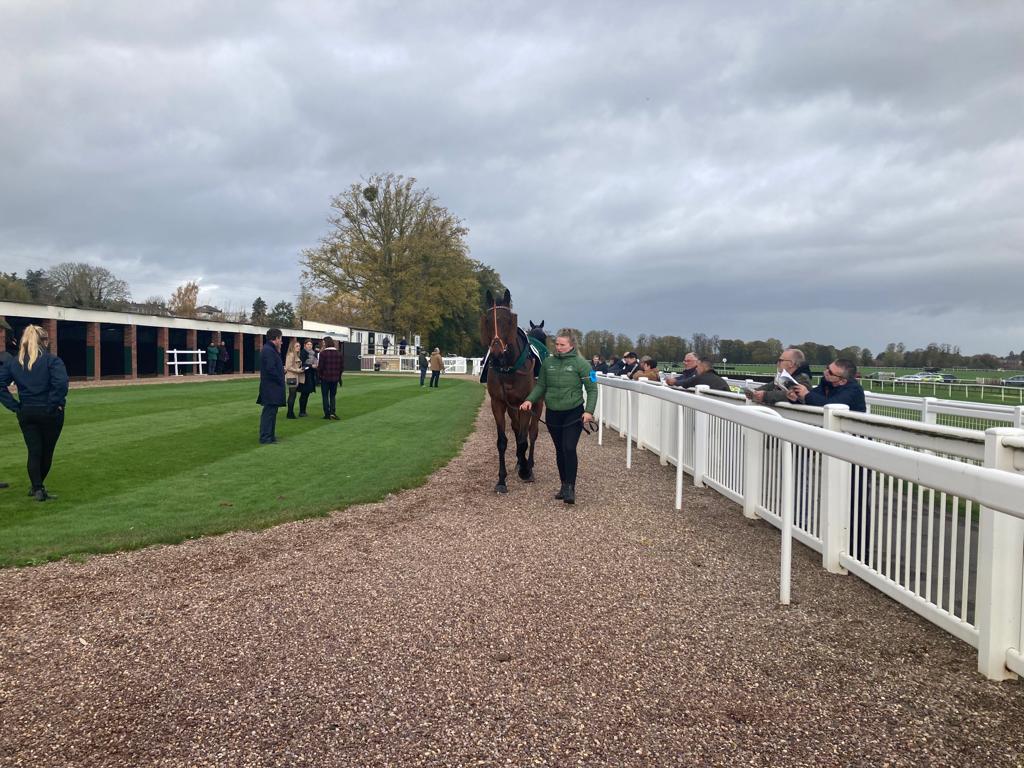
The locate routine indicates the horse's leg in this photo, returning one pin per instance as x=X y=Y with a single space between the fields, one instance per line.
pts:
x=498 y=410
x=521 y=424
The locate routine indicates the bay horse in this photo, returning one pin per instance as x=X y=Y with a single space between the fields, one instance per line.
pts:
x=510 y=378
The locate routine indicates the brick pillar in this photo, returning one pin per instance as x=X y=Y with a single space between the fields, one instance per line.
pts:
x=190 y=343
x=50 y=326
x=3 y=339
x=161 y=351
x=93 y=365
x=131 y=352
x=237 y=356
x=216 y=337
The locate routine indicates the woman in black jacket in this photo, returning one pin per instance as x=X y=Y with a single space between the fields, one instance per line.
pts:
x=42 y=383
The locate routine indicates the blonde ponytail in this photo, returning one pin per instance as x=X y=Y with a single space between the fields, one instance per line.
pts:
x=33 y=339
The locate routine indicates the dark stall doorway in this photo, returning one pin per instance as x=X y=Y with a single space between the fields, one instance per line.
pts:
x=71 y=347
x=231 y=364
x=203 y=339
x=177 y=338
x=112 y=351
x=249 y=351
x=18 y=325
x=147 y=356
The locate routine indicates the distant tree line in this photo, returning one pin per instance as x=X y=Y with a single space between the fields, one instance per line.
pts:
x=672 y=349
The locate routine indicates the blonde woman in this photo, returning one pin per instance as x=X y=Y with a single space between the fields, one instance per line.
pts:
x=42 y=383
x=294 y=375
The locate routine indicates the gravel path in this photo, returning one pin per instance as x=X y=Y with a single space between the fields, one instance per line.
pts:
x=446 y=626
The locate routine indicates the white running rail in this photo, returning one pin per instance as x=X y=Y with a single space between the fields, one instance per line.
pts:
x=933 y=516
x=191 y=358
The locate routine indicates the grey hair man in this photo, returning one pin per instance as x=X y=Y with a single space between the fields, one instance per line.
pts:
x=790 y=367
x=688 y=372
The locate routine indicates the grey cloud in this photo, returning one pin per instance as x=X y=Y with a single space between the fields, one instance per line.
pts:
x=858 y=161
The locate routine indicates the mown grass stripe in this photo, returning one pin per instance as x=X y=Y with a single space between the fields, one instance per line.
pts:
x=131 y=482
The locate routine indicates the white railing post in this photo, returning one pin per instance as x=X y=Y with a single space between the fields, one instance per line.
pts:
x=680 y=421
x=629 y=428
x=662 y=436
x=753 y=451
x=601 y=396
x=834 y=501
x=1018 y=416
x=701 y=442
x=788 y=500
x=1000 y=572
x=928 y=409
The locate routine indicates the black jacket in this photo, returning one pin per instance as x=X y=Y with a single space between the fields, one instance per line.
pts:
x=44 y=385
x=271 y=376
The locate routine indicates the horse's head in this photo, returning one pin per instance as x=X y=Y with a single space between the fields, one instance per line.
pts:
x=498 y=324
x=537 y=332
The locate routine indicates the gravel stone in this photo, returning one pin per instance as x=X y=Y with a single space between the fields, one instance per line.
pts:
x=448 y=626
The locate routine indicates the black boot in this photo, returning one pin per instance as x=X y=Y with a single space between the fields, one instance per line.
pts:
x=569 y=494
x=561 y=492
x=291 y=414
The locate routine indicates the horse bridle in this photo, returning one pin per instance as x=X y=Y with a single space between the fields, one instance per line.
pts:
x=497 y=338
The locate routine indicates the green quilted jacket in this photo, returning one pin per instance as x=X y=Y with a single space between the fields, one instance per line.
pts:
x=562 y=381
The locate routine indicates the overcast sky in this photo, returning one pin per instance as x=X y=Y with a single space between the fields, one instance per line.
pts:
x=849 y=173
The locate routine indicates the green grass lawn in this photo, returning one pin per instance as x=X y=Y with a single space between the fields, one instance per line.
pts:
x=162 y=463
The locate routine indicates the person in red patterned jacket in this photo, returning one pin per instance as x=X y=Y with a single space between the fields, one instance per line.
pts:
x=329 y=371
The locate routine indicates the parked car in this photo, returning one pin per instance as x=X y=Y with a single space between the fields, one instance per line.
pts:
x=1014 y=381
x=922 y=377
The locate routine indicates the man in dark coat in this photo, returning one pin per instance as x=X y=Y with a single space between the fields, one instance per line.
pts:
x=707 y=376
x=838 y=385
x=3 y=362
x=271 y=385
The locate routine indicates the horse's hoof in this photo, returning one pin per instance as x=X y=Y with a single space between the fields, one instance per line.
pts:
x=501 y=488
x=528 y=478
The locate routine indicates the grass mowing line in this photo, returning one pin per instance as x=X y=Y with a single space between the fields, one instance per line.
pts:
x=166 y=485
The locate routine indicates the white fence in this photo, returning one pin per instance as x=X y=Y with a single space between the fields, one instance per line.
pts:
x=410 y=364
x=193 y=359
x=931 y=515
x=931 y=410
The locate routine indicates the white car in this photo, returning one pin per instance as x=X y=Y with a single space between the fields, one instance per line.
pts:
x=917 y=378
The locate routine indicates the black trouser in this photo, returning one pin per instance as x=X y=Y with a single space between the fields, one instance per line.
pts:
x=434 y=376
x=292 y=391
x=423 y=375
x=565 y=428
x=41 y=427
x=268 y=423
x=328 y=393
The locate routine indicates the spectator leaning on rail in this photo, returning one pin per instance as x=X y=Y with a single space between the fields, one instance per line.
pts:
x=839 y=385
x=790 y=365
x=563 y=377
x=629 y=365
x=688 y=372
x=707 y=376
x=596 y=364
x=648 y=369
x=42 y=383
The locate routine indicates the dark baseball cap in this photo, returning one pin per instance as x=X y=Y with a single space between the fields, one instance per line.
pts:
x=631 y=353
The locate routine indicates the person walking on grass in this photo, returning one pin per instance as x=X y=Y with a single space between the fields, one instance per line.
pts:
x=308 y=359
x=329 y=370
x=436 y=366
x=424 y=365
x=42 y=383
x=564 y=376
x=271 y=386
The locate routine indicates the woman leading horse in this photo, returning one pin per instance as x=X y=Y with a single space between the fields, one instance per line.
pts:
x=510 y=378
